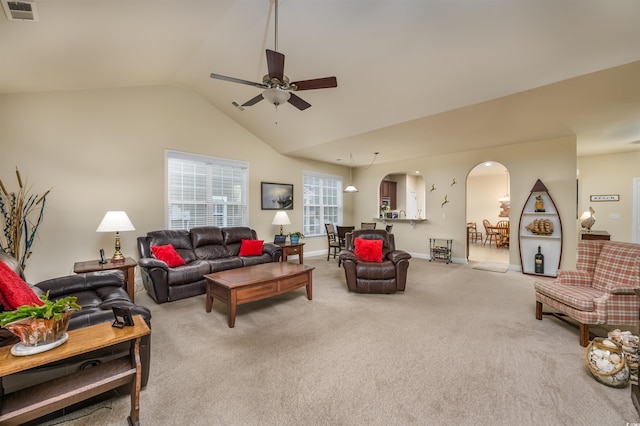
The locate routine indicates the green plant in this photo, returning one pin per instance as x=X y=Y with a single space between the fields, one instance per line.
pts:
x=48 y=310
x=18 y=216
x=298 y=233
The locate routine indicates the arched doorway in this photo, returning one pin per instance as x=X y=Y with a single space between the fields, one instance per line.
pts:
x=488 y=199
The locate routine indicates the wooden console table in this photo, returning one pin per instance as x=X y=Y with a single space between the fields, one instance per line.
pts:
x=127 y=266
x=36 y=401
x=595 y=235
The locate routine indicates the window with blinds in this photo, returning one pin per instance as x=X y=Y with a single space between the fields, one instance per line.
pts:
x=322 y=202
x=205 y=191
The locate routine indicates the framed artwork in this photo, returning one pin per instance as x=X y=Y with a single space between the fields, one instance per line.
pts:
x=609 y=197
x=280 y=239
x=276 y=196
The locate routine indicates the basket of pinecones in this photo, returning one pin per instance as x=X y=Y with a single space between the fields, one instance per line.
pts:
x=541 y=227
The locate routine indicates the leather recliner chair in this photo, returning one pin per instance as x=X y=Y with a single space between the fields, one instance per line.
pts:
x=97 y=293
x=388 y=276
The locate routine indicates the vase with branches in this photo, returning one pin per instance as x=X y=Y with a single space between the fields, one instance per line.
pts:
x=21 y=214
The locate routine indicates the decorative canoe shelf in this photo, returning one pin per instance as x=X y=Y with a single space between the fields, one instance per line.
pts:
x=540 y=228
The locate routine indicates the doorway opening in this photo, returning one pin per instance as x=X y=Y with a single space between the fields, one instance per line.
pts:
x=489 y=209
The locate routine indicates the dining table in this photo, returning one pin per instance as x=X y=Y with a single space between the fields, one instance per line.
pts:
x=342 y=232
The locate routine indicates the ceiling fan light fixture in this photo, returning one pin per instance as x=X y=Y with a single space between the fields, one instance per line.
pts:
x=276 y=95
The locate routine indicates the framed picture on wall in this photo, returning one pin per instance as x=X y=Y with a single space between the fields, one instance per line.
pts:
x=276 y=196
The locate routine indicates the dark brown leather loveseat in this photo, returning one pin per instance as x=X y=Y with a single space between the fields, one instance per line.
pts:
x=205 y=249
x=97 y=293
x=387 y=276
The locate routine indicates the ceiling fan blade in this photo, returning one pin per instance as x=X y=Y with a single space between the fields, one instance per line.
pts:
x=316 y=83
x=237 y=80
x=253 y=101
x=275 y=64
x=298 y=102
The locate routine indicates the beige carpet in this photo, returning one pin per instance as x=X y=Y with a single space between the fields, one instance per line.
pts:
x=459 y=347
x=492 y=267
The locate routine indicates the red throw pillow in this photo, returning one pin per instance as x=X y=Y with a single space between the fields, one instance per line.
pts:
x=251 y=247
x=14 y=291
x=168 y=254
x=368 y=250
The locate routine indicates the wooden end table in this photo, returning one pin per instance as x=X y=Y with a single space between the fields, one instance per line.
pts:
x=127 y=266
x=36 y=401
x=595 y=235
x=291 y=249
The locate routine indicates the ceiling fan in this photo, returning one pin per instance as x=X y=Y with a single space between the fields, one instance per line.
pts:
x=277 y=87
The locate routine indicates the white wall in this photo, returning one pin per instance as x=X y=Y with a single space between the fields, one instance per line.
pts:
x=103 y=150
x=482 y=199
x=609 y=174
x=553 y=161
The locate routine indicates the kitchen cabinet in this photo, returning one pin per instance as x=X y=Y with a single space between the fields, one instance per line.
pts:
x=388 y=193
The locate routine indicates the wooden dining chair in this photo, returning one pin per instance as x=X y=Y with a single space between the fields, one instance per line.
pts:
x=490 y=233
x=473 y=232
x=332 y=240
x=342 y=231
x=367 y=225
x=503 y=229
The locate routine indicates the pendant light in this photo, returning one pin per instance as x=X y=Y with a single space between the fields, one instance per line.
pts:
x=351 y=187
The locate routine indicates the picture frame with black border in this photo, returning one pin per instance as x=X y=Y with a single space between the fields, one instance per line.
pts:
x=276 y=196
x=280 y=239
x=122 y=317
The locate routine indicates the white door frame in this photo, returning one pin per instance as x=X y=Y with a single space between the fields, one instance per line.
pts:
x=635 y=230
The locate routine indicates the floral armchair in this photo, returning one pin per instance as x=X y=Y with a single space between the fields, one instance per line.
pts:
x=601 y=291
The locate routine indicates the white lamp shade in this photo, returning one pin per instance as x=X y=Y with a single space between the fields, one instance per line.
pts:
x=281 y=218
x=115 y=221
x=276 y=95
x=351 y=188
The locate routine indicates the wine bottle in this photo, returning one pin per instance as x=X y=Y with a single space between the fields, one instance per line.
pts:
x=539 y=262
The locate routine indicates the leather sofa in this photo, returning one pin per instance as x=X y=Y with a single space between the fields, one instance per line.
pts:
x=388 y=276
x=205 y=249
x=97 y=293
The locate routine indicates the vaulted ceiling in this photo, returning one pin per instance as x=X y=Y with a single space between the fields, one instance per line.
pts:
x=415 y=77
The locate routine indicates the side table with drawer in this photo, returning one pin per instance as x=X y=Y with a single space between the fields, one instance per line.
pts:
x=291 y=249
x=127 y=266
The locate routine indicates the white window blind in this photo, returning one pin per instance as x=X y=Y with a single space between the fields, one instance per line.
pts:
x=322 y=202
x=205 y=191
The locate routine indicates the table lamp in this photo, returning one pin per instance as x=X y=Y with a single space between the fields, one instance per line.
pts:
x=116 y=221
x=281 y=218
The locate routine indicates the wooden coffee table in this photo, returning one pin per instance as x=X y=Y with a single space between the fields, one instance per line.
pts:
x=251 y=283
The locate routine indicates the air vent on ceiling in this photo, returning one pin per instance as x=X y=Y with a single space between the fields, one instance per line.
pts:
x=20 y=10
